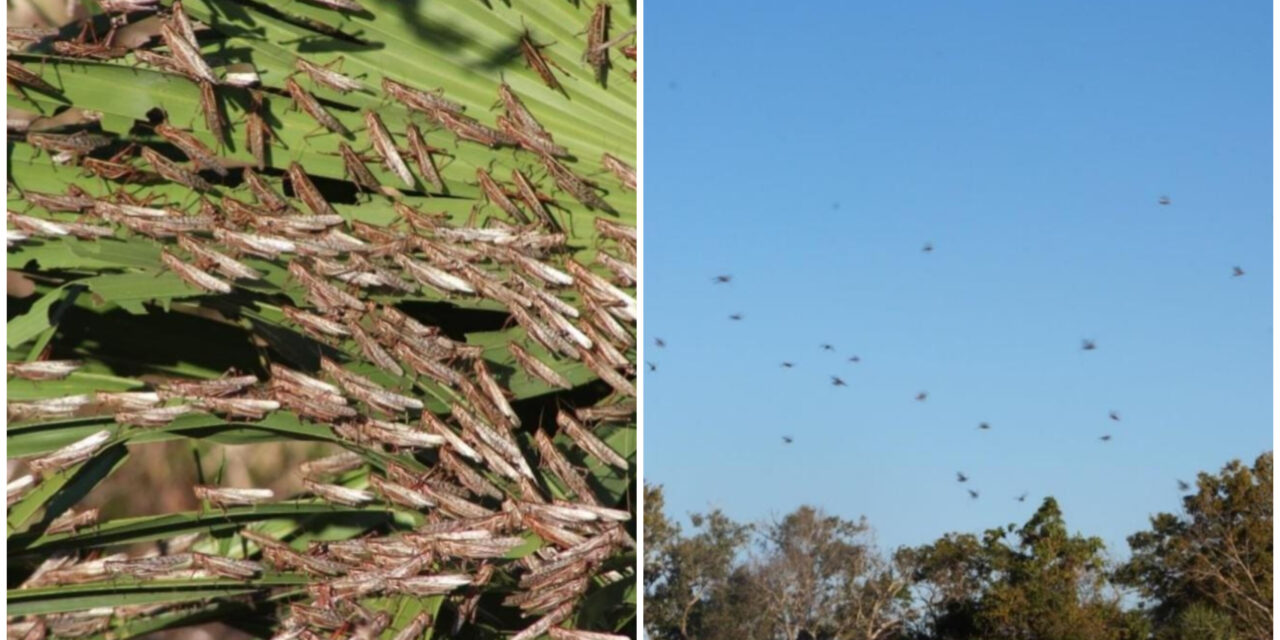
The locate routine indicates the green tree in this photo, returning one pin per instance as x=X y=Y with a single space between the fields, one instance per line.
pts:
x=1034 y=582
x=684 y=575
x=1215 y=557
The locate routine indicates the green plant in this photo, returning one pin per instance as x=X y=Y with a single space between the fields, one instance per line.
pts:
x=390 y=315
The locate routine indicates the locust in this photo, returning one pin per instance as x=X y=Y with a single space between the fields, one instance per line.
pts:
x=337 y=463
x=185 y=52
x=400 y=435
x=57 y=407
x=626 y=173
x=466 y=128
x=519 y=113
x=609 y=374
x=541 y=65
x=172 y=172
x=127 y=400
x=160 y=61
x=307 y=191
x=355 y=169
x=70 y=521
x=340 y=5
x=494 y=391
x=217 y=387
x=414 y=629
x=588 y=441
x=575 y=186
x=314 y=323
x=355 y=384
x=495 y=195
x=74 y=453
x=538 y=269
x=400 y=494
x=242 y=408
x=616 y=230
x=258 y=133
x=421 y=153
x=489 y=436
x=561 y=633
x=552 y=618
x=224 y=497
x=537 y=368
x=529 y=195
x=530 y=141
x=432 y=276
x=624 y=271
x=114 y=168
x=323 y=75
x=19 y=487
x=229 y=266
x=227 y=567
x=429 y=102
x=156 y=417
x=325 y=295
x=552 y=459
x=19 y=76
x=89 y=50
x=268 y=247
x=195 y=150
x=38 y=226
x=468 y=477
x=193 y=276
x=338 y=493
x=307 y=103
x=435 y=425
x=428 y=585
x=43 y=369
x=78 y=143
x=597 y=53
x=147 y=567
x=28 y=35
x=437 y=371
x=386 y=148
x=76 y=200
x=264 y=193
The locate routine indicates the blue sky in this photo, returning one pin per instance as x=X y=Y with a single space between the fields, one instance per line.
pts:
x=812 y=151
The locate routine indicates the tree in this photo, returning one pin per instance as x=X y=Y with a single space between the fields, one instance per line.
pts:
x=1215 y=557
x=1034 y=582
x=819 y=576
x=685 y=575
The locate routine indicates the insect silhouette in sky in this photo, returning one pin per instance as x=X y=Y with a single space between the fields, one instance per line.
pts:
x=735 y=316
x=652 y=366
x=961 y=477
x=660 y=342
x=973 y=494
x=1183 y=485
x=827 y=347
x=855 y=359
x=1088 y=345
x=1022 y=498
x=927 y=248
x=788 y=365
x=1236 y=272
x=722 y=279
x=985 y=426
x=922 y=396
x=837 y=382
x=787 y=440
x=1114 y=415
x=1164 y=200
x=1106 y=438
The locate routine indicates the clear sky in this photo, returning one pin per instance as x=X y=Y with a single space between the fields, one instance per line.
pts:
x=811 y=150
